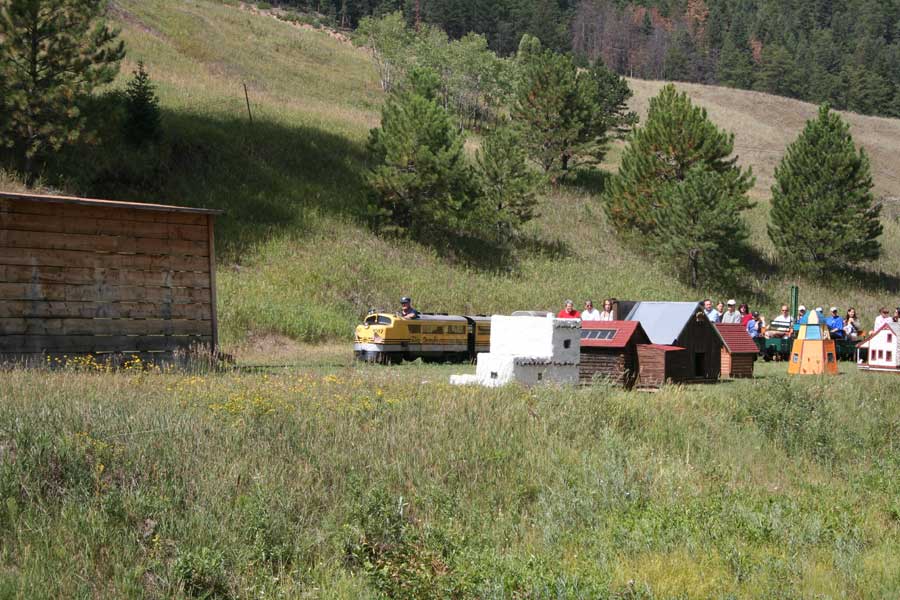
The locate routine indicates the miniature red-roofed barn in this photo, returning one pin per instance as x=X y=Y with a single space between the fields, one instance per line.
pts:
x=739 y=351
x=657 y=363
x=609 y=351
x=884 y=349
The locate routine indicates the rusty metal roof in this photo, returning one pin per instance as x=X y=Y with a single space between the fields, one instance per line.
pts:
x=107 y=203
x=663 y=347
x=736 y=338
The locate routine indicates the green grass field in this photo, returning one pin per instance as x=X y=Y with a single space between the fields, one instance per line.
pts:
x=341 y=481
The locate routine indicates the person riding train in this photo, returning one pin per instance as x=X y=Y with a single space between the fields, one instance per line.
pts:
x=406 y=309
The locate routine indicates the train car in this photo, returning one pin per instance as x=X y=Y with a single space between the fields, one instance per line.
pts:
x=387 y=338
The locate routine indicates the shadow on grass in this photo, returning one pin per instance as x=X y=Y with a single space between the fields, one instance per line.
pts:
x=591 y=181
x=268 y=177
x=871 y=281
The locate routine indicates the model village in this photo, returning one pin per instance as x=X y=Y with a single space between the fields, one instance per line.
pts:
x=634 y=344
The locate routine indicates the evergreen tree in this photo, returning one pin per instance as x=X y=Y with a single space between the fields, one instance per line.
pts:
x=778 y=73
x=507 y=183
x=823 y=212
x=142 y=121
x=700 y=225
x=53 y=54
x=735 y=68
x=548 y=104
x=676 y=137
x=421 y=182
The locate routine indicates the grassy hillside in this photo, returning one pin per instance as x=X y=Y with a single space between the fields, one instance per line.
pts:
x=343 y=482
x=296 y=259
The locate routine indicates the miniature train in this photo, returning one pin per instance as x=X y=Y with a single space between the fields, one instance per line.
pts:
x=387 y=338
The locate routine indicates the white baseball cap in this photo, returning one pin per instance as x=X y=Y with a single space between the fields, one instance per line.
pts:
x=801 y=307
x=834 y=309
x=731 y=302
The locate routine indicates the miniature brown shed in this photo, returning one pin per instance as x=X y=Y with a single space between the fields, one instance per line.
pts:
x=682 y=324
x=83 y=276
x=656 y=364
x=739 y=351
x=609 y=351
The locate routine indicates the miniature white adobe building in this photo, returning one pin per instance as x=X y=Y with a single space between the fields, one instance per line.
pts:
x=529 y=350
x=884 y=349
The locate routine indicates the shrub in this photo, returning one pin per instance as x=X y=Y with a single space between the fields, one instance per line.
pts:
x=142 y=116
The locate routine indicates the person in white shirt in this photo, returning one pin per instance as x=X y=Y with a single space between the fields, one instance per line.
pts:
x=883 y=318
x=731 y=315
x=590 y=313
x=782 y=325
x=607 y=313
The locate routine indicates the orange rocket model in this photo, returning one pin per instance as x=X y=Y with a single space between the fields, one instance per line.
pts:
x=813 y=350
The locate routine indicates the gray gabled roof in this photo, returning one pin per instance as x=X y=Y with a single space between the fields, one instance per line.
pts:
x=663 y=321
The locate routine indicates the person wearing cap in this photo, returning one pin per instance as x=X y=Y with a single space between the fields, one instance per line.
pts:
x=569 y=311
x=590 y=313
x=753 y=325
x=782 y=325
x=731 y=315
x=711 y=313
x=835 y=324
x=882 y=319
x=801 y=317
x=406 y=309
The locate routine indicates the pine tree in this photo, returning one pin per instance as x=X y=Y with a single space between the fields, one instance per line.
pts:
x=54 y=54
x=142 y=121
x=422 y=185
x=548 y=105
x=676 y=137
x=507 y=183
x=778 y=73
x=823 y=212
x=735 y=68
x=700 y=227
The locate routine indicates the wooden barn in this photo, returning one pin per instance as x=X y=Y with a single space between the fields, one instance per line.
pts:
x=609 y=351
x=739 y=351
x=680 y=325
x=81 y=276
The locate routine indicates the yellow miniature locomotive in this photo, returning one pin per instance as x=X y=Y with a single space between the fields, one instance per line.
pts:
x=387 y=338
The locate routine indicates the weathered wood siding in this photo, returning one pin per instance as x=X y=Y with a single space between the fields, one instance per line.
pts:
x=702 y=349
x=77 y=279
x=652 y=366
x=615 y=365
x=737 y=365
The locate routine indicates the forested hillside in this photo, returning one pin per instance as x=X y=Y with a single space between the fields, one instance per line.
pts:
x=299 y=255
x=845 y=53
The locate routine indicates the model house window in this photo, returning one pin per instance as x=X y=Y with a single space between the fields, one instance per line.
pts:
x=880 y=354
x=830 y=357
x=889 y=356
x=890 y=338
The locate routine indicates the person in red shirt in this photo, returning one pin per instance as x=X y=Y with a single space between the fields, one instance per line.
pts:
x=569 y=311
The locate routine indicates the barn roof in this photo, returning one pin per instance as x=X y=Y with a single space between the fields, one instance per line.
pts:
x=736 y=338
x=106 y=203
x=663 y=321
x=895 y=327
x=663 y=347
x=609 y=334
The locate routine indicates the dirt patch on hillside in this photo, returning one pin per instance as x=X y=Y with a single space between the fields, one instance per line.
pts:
x=122 y=15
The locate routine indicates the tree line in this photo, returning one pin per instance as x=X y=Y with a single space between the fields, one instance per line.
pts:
x=843 y=53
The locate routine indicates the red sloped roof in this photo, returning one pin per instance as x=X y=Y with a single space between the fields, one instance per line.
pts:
x=736 y=338
x=623 y=332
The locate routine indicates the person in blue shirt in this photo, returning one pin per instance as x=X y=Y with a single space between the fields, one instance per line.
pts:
x=406 y=309
x=753 y=326
x=835 y=324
